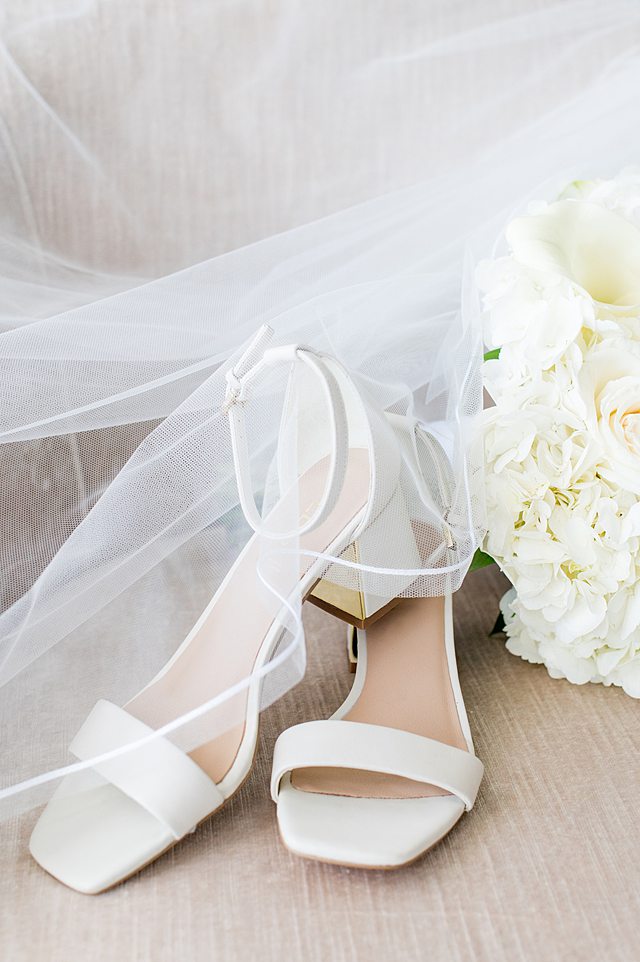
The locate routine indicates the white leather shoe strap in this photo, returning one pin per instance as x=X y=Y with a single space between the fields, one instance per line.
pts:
x=409 y=432
x=374 y=748
x=238 y=381
x=158 y=775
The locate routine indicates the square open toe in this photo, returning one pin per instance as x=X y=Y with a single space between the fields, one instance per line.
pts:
x=92 y=839
x=363 y=832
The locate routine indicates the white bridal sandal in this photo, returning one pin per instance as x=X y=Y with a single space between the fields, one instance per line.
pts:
x=144 y=793
x=392 y=771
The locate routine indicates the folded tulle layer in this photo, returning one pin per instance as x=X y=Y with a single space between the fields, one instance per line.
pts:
x=401 y=144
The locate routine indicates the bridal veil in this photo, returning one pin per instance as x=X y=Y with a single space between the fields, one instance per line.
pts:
x=174 y=176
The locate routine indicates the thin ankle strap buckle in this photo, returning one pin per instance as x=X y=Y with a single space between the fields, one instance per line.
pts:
x=243 y=371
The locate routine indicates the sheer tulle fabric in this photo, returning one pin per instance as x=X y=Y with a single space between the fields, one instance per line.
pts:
x=134 y=146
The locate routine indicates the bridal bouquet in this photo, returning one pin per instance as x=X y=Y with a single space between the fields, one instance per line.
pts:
x=562 y=441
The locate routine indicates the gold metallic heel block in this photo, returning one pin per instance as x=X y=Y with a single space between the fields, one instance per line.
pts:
x=388 y=542
x=347 y=604
x=355 y=606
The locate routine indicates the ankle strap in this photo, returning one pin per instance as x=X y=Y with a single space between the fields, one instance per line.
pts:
x=254 y=361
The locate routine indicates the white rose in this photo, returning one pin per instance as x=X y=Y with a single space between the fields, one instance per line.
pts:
x=611 y=379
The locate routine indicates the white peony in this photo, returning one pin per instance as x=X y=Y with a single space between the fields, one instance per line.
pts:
x=562 y=442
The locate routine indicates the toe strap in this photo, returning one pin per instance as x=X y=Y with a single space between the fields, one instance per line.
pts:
x=374 y=748
x=157 y=775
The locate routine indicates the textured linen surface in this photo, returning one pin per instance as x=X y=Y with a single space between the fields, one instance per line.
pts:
x=544 y=868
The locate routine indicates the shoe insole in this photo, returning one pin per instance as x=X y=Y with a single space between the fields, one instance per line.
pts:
x=224 y=650
x=407 y=686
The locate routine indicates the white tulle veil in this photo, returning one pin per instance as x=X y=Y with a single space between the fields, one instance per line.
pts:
x=174 y=178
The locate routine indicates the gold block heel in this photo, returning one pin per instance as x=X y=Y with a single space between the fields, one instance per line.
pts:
x=390 y=537
x=348 y=604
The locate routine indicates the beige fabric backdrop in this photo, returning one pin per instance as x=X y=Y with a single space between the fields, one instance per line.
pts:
x=265 y=114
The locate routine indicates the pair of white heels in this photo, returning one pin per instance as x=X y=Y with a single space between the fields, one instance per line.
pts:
x=394 y=769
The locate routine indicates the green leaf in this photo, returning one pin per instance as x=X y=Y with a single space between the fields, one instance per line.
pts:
x=492 y=355
x=481 y=560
